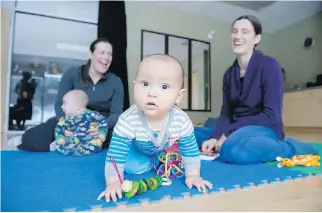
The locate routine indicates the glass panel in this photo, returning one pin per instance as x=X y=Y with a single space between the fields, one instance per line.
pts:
x=75 y=10
x=178 y=48
x=153 y=43
x=55 y=37
x=200 y=76
x=46 y=53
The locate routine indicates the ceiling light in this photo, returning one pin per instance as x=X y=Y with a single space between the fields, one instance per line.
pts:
x=72 y=47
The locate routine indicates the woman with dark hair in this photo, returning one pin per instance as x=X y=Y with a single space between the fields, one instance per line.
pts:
x=250 y=127
x=103 y=88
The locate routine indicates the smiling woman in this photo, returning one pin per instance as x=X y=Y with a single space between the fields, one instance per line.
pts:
x=103 y=88
x=250 y=127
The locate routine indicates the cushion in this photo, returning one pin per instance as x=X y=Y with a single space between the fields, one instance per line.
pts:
x=210 y=123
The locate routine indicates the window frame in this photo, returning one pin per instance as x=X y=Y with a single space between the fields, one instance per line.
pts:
x=14 y=12
x=189 y=71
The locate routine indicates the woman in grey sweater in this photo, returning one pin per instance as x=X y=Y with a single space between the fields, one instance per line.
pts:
x=104 y=89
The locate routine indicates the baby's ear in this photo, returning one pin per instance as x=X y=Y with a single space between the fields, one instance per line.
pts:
x=181 y=94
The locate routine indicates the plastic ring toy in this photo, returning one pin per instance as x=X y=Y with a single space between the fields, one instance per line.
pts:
x=135 y=187
x=166 y=182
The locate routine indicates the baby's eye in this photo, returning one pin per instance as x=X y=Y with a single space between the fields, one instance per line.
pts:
x=165 y=86
x=145 y=83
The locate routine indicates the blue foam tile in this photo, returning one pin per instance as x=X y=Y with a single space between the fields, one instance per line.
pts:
x=94 y=207
x=245 y=185
x=60 y=182
x=248 y=185
x=110 y=205
x=303 y=175
x=275 y=180
x=261 y=182
x=229 y=188
x=286 y=178
x=196 y=193
x=214 y=191
x=81 y=210
x=154 y=201
x=177 y=197
x=134 y=202
x=122 y=201
x=238 y=186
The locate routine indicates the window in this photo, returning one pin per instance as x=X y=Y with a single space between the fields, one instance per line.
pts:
x=48 y=39
x=194 y=56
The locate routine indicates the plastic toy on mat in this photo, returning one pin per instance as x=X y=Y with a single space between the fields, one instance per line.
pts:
x=171 y=165
x=132 y=188
x=299 y=160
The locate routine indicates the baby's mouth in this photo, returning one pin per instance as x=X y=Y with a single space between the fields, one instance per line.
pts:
x=151 y=105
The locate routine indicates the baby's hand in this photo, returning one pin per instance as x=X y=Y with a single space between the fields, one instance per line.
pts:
x=102 y=138
x=61 y=141
x=197 y=181
x=111 y=191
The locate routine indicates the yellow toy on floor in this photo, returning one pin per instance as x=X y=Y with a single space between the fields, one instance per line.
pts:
x=299 y=160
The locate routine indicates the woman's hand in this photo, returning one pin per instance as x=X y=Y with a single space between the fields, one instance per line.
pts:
x=220 y=142
x=208 y=145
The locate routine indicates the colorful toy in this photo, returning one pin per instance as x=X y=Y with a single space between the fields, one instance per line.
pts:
x=132 y=188
x=171 y=165
x=299 y=160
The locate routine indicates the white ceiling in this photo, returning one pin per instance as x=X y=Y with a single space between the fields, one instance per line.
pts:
x=274 y=16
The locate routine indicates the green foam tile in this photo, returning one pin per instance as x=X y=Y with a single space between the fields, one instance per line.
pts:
x=306 y=170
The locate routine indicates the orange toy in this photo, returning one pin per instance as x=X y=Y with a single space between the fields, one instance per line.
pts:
x=299 y=160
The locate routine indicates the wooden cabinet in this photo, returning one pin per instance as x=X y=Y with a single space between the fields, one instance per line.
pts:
x=303 y=108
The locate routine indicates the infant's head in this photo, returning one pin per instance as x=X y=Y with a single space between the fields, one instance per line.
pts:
x=74 y=102
x=158 y=85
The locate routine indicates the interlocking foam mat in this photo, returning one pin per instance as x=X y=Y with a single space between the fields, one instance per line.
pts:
x=53 y=182
x=307 y=170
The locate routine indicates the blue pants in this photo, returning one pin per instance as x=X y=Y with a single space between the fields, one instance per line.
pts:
x=202 y=134
x=256 y=144
x=139 y=162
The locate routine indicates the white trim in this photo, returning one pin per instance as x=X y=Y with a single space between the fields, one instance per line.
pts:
x=10 y=51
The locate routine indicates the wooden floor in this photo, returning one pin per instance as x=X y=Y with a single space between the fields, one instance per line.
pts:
x=295 y=195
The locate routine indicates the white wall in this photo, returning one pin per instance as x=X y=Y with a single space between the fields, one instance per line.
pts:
x=142 y=15
x=301 y=65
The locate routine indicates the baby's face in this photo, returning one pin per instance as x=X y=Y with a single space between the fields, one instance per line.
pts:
x=158 y=87
x=70 y=106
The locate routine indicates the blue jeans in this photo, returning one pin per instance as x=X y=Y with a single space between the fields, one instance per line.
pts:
x=139 y=162
x=202 y=134
x=257 y=144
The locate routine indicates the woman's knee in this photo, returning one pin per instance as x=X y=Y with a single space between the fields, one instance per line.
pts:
x=203 y=130
x=241 y=150
x=202 y=134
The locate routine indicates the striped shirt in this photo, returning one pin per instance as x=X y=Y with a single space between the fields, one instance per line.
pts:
x=133 y=130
